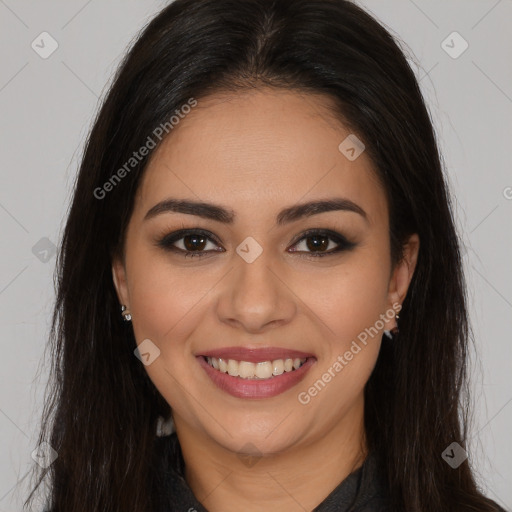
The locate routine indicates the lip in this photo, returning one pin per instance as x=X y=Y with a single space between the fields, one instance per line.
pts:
x=257 y=388
x=255 y=355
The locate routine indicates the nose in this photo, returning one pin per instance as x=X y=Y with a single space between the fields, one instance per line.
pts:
x=256 y=297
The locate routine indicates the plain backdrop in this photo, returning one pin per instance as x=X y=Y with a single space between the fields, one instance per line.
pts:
x=47 y=105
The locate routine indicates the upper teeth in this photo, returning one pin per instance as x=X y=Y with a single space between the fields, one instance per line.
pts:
x=262 y=370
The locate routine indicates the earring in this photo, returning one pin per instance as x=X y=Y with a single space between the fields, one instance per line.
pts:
x=165 y=427
x=126 y=315
x=394 y=331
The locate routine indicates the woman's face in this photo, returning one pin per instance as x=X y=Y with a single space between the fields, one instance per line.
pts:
x=257 y=288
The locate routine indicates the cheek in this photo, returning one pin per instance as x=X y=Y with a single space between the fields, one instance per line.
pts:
x=164 y=298
x=349 y=298
x=167 y=304
x=349 y=302
x=352 y=341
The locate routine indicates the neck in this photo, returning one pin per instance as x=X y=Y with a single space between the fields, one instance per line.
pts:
x=224 y=481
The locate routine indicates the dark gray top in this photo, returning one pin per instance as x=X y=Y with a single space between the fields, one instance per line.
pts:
x=364 y=490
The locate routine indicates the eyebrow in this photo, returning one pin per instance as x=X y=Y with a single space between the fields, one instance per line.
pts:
x=227 y=216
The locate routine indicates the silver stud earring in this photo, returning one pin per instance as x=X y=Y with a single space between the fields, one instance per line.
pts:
x=126 y=315
x=165 y=427
x=391 y=334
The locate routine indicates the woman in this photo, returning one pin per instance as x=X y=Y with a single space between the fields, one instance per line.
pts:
x=261 y=252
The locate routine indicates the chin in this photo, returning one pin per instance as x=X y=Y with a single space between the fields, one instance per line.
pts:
x=256 y=442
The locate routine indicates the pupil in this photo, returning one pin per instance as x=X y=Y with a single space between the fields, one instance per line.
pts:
x=321 y=242
x=198 y=242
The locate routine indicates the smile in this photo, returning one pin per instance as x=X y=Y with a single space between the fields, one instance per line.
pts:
x=255 y=379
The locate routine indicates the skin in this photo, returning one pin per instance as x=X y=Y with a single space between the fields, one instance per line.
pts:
x=256 y=153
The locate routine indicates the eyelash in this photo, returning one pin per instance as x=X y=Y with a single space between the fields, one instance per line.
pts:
x=167 y=241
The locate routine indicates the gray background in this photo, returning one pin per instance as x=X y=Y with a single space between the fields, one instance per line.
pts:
x=47 y=106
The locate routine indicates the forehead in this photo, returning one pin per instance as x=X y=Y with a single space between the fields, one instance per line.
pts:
x=260 y=148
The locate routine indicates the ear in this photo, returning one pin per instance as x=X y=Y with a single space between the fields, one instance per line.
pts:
x=403 y=272
x=119 y=278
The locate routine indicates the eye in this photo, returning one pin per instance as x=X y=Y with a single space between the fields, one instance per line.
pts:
x=193 y=242
x=317 y=241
